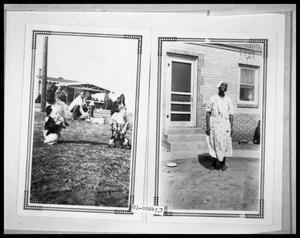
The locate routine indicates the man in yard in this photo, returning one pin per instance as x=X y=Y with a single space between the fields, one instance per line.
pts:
x=219 y=122
x=78 y=106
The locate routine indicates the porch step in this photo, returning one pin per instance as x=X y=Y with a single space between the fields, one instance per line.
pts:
x=187 y=146
x=183 y=130
x=185 y=137
x=185 y=154
x=253 y=154
x=182 y=139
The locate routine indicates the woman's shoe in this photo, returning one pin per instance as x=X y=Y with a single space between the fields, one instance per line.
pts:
x=218 y=165
x=213 y=164
x=224 y=167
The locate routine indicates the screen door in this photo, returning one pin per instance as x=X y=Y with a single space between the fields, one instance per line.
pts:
x=181 y=92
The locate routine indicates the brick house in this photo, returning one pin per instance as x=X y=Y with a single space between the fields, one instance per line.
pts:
x=190 y=73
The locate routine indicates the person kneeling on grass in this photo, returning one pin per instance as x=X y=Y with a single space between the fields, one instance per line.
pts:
x=52 y=127
x=60 y=108
x=120 y=125
x=78 y=107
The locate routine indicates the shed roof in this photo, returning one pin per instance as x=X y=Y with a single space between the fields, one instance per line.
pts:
x=60 y=80
x=84 y=87
x=77 y=85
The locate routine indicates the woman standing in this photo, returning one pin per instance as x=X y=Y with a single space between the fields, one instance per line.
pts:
x=219 y=123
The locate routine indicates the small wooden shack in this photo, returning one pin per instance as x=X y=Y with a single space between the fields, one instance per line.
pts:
x=73 y=88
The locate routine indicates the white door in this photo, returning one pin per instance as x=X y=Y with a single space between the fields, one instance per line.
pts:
x=181 y=92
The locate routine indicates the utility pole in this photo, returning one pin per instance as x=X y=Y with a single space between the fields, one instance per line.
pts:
x=37 y=86
x=44 y=74
x=40 y=81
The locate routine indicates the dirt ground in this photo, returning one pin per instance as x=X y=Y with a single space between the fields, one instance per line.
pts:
x=81 y=169
x=191 y=185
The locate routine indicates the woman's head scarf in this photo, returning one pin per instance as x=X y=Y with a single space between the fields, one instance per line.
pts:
x=220 y=82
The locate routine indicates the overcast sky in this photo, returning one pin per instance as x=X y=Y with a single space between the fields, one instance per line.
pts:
x=107 y=62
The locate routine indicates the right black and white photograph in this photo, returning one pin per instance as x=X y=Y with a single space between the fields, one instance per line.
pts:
x=210 y=156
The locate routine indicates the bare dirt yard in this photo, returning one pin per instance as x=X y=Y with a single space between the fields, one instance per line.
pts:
x=191 y=185
x=81 y=169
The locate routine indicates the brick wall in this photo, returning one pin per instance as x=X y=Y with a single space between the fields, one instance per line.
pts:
x=244 y=126
x=215 y=65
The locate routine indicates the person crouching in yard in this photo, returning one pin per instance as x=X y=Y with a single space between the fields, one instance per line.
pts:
x=119 y=125
x=60 y=107
x=56 y=118
x=219 y=123
x=78 y=107
x=53 y=126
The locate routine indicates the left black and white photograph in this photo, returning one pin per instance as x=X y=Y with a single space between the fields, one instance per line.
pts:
x=83 y=103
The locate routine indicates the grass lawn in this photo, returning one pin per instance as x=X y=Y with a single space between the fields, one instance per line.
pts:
x=191 y=185
x=81 y=169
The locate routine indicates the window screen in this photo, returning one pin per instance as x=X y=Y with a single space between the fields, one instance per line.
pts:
x=180 y=98
x=247 y=84
x=181 y=107
x=181 y=77
x=180 y=117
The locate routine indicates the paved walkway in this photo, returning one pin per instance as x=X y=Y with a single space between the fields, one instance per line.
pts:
x=249 y=150
x=246 y=150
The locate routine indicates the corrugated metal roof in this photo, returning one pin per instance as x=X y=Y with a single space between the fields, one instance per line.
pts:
x=77 y=85
x=84 y=87
x=60 y=80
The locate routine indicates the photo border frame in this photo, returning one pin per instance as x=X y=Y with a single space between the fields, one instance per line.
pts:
x=260 y=214
x=128 y=211
x=275 y=212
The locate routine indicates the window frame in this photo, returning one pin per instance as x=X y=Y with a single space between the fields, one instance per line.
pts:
x=255 y=102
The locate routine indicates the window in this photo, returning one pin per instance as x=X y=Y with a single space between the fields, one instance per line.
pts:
x=248 y=87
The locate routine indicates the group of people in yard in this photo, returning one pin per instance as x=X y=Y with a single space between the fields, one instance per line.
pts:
x=219 y=122
x=56 y=118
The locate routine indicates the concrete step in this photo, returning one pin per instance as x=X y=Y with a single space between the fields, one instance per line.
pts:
x=186 y=146
x=182 y=154
x=186 y=154
x=166 y=146
x=183 y=130
x=186 y=137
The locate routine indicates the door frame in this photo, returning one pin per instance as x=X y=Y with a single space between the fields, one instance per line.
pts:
x=193 y=62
